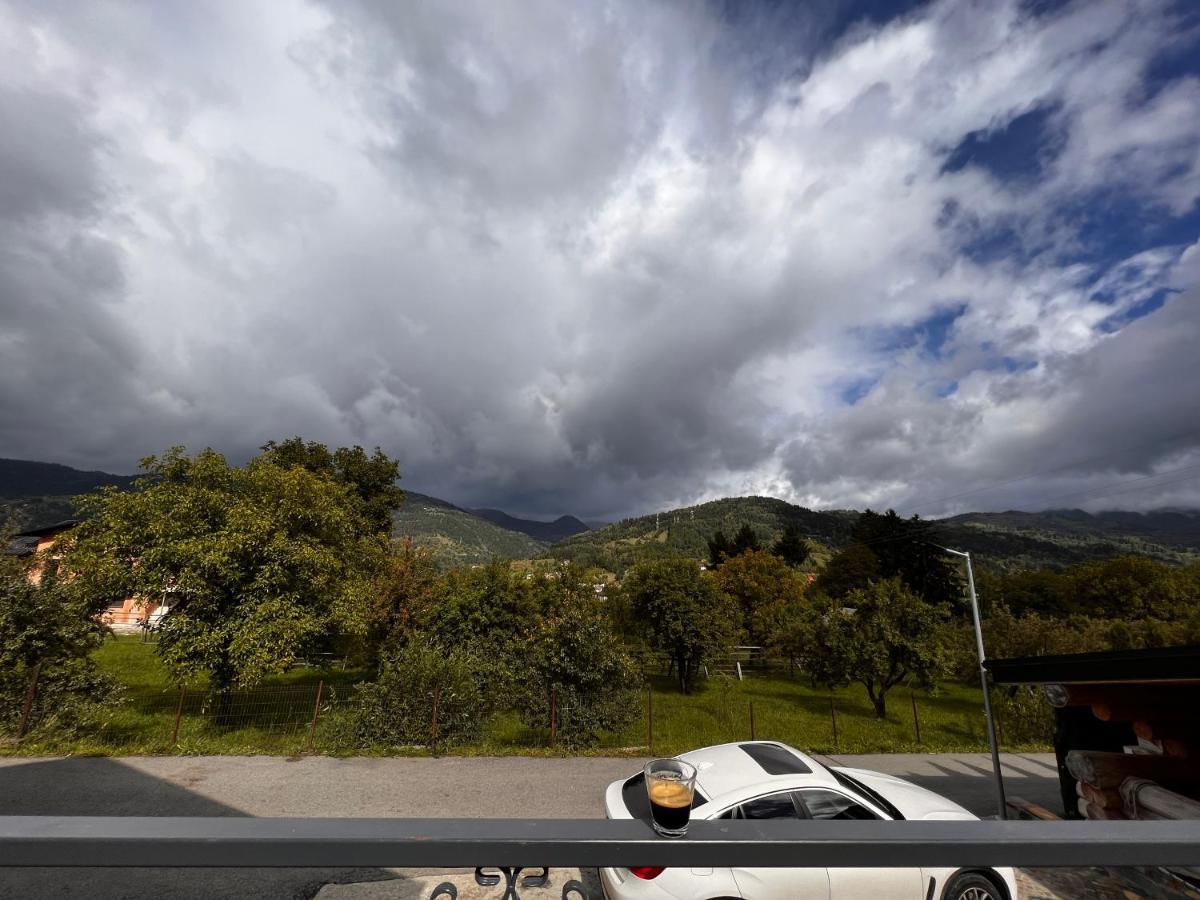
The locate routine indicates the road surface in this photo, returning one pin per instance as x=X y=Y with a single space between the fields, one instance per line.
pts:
x=361 y=786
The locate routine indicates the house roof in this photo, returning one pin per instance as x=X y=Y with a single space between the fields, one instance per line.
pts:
x=21 y=546
x=1130 y=666
x=24 y=543
x=48 y=529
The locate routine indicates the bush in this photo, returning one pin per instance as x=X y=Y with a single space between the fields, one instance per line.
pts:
x=1023 y=714
x=575 y=653
x=397 y=708
x=40 y=625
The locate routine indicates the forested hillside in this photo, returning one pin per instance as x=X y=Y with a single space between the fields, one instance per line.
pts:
x=33 y=494
x=457 y=537
x=1022 y=540
x=687 y=531
x=1000 y=541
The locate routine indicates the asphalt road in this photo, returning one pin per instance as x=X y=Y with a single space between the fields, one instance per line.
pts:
x=324 y=786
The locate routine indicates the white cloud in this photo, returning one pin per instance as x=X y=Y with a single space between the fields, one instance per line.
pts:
x=574 y=258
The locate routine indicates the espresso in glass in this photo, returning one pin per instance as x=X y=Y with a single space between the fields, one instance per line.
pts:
x=670 y=785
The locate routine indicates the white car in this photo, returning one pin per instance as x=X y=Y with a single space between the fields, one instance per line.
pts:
x=767 y=780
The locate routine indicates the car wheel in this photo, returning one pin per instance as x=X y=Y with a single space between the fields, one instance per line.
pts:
x=972 y=886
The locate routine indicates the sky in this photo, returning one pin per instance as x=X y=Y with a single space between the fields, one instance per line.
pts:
x=607 y=258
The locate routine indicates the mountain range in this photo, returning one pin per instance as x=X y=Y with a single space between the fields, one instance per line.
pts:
x=34 y=494
x=549 y=532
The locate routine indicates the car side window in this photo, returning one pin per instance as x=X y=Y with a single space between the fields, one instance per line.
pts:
x=826 y=804
x=772 y=806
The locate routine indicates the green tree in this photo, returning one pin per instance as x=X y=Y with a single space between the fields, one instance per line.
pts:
x=849 y=569
x=574 y=653
x=264 y=562
x=719 y=547
x=371 y=479
x=791 y=546
x=879 y=636
x=406 y=595
x=1128 y=587
x=905 y=550
x=746 y=539
x=766 y=589
x=684 y=613
x=492 y=610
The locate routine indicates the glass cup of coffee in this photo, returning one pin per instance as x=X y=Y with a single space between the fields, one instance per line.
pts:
x=670 y=784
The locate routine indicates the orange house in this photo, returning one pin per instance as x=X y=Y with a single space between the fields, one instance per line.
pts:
x=130 y=614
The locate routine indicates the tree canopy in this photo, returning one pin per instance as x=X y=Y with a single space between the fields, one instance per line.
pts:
x=262 y=562
x=906 y=550
x=767 y=590
x=684 y=614
x=371 y=479
x=791 y=546
x=879 y=636
x=721 y=548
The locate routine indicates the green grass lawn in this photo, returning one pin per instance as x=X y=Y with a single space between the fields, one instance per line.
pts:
x=275 y=719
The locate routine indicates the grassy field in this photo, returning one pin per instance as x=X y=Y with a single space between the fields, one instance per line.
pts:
x=276 y=718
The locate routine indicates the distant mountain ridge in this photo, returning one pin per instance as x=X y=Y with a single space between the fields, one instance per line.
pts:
x=21 y=479
x=34 y=494
x=1002 y=541
x=550 y=532
x=1170 y=527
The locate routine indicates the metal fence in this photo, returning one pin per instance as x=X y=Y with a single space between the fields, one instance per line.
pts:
x=289 y=710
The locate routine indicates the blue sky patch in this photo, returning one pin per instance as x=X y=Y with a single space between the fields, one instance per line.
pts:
x=1021 y=151
x=858 y=389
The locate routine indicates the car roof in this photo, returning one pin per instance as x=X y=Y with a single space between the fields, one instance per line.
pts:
x=729 y=772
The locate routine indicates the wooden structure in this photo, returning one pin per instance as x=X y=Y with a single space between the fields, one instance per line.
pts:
x=1126 y=735
x=1127 y=729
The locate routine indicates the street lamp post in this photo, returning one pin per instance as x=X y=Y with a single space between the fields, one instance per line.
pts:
x=1001 y=804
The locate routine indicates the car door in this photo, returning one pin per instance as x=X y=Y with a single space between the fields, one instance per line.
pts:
x=829 y=804
x=776 y=883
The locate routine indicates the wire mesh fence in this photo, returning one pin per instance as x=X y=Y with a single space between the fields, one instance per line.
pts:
x=322 y=710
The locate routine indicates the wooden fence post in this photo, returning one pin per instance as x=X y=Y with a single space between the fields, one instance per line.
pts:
x=178 y=715
x=916 y=718
x=650 y=721
x=436 y=695
x=30 y=696
x=752 y=735
x=833 y=717
x=312 y=729
x=553 y=716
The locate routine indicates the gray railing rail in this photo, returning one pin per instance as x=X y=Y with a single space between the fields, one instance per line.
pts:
x=307 y=842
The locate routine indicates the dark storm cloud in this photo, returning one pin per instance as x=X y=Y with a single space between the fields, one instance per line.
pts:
x=600 y=259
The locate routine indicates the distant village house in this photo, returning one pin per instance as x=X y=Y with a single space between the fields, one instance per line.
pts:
x=128 y=615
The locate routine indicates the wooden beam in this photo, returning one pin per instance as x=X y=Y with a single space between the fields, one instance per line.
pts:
x=1108 y=770
x=1091 y=811
x=1027 y=809
x=1145 y=799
